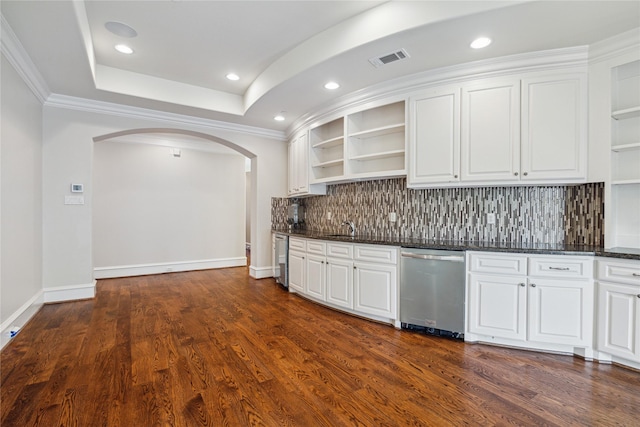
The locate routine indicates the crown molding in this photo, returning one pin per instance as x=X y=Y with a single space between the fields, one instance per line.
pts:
x=101 y=107
x=19 y=59
x=614 y=46
x=548 y=60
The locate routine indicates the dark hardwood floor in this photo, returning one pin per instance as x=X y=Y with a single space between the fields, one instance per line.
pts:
x=218 y=348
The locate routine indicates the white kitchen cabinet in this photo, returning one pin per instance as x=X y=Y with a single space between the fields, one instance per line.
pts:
x=490 y=138
x=520 y=129
x=299 y=168
x=619 y=309
x=340 y=282
x=497 y=306
x=547 y=305
x=316 y=276
x=554 y=137
x=376 y=289
x=434 y=137
x=560 y=311
x=297 y=270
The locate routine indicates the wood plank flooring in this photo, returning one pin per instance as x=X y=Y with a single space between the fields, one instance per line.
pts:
x=216 y=348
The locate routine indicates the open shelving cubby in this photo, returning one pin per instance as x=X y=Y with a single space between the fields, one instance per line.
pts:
x=376 y=141
x=327 y=151
x=625 y=156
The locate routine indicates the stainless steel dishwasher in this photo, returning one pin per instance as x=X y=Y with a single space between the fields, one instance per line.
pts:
x=432 y=291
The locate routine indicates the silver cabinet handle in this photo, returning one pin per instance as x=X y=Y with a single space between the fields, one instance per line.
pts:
x=526 y=173
x=638 y=295
x=515 y=173
x=522 y=284
x=533 y=285
x=560 y=268
x=635 y=274
x=452 y=258
x=455 y=176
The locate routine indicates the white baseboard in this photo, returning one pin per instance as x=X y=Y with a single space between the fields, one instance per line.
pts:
x=20 y=317
x=70 y=293
x=260 y=272
x=166 y=267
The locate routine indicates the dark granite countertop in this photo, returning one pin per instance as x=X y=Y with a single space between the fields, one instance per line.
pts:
x=461 y=245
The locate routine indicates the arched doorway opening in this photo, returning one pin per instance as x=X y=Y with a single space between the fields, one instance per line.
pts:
x=176 y=143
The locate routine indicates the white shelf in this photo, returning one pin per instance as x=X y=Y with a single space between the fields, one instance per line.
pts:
x=627 y=113
x=626 y=182
x=329 y=143
x=329 y=164
x=376 y=156
x=383 y=130
x=625 y=147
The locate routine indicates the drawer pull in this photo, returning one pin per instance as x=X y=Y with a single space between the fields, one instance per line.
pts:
x=533 y=285
x=522 y=284
x=635 y=274
x=560 y=268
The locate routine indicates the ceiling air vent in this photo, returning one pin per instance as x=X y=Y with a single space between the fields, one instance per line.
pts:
x=389 y=58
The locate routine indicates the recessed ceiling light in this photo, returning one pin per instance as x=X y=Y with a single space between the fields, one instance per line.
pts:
x=123 y=48
x=279 y=118
x=120 y=29
x=480 y=42
x=331 y=85
x=232 y=76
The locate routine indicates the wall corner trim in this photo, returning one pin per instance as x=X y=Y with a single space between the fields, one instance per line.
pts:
x=69 y=293
x=260 y=272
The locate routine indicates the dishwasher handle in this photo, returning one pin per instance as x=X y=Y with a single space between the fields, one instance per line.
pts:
x=452 y=258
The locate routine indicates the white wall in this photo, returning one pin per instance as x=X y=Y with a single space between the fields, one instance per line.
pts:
x=20 y=197
x=67 y=158
x=153 y=212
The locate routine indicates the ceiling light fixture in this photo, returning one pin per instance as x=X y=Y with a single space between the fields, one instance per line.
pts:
x=123 y=48
x=120 y=29
x=279 y=117
x=232 y=76
x=480 y=42
x=331 y=85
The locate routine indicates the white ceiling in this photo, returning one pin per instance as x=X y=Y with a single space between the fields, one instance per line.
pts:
x=284 y=51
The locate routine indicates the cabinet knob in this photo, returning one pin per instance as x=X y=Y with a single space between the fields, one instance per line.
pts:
x=515 y=173
x=522 y=284
x=455 y=176
x=526 y=173
x=533 y=285
x=638 y=295
x=322 y=262
x=635 y=274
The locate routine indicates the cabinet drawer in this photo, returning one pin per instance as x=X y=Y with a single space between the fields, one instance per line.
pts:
x=497 y=263
x=316 y=247
x=297 y=244
x=563 y=266
x=381 y=254
x=619 y=271
x=337 y=250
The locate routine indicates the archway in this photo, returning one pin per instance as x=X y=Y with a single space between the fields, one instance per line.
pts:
x=204 y=139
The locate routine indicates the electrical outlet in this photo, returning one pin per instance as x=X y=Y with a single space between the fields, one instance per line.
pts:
x=491 y=218
x=392 y=217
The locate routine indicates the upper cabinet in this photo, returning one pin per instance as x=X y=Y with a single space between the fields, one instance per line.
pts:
x=367 y=144
x=434 y=136
x=512 y=130
x=299 y=168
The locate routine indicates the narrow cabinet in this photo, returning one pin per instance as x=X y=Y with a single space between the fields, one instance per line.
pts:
x=298 y=168
x=553 y=138
x=297 y=271
x=340 y=282
x=490 y=141
x=434 y=136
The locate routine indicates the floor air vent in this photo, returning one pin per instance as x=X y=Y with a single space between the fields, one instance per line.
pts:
x=389 y=58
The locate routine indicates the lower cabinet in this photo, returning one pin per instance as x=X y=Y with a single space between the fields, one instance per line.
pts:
x=619 y=310
x=359 y=278
x=548 y=304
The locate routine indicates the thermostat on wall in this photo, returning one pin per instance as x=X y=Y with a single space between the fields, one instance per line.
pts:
x=76 y=188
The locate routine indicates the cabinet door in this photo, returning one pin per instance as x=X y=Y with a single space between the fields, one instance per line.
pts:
x=490 y=139
x=376 y=289
x=618 y=320
x=498 y=306
x=292 y=169
x=297 y=267
x=554 y=121
x=316 y=276
x=340 y=282
x=434 y=138
x=561 y=311
x=302 y=163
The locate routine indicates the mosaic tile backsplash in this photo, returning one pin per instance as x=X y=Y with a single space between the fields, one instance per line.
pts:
x=571 y=215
